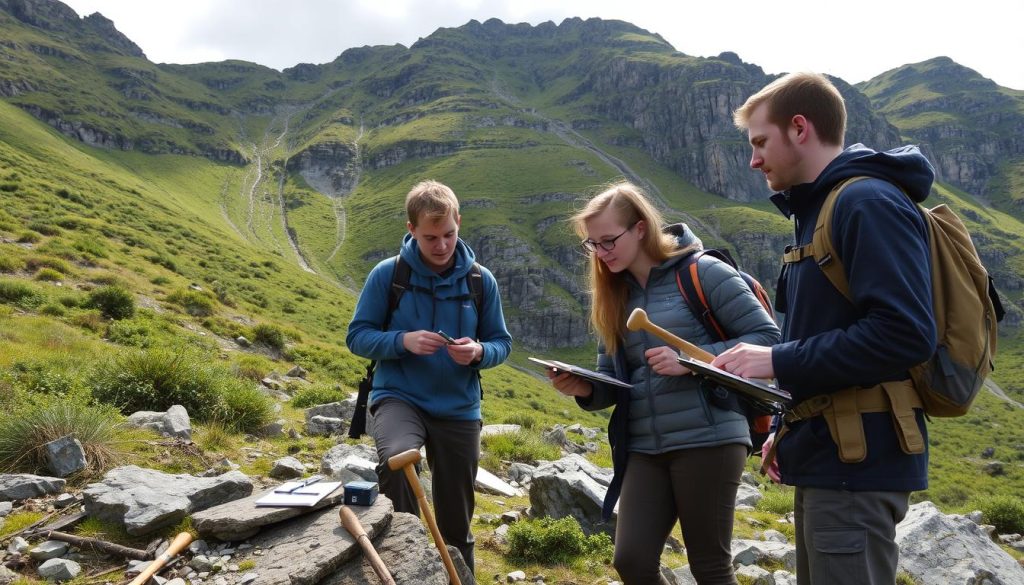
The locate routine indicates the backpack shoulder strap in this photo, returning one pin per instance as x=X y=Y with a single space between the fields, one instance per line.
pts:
x=476 y=288
x=822 y=248
x=688 y=281
x=399 y=284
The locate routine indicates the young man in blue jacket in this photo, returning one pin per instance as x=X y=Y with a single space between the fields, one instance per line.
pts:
x=426 y=389
x=847 y=507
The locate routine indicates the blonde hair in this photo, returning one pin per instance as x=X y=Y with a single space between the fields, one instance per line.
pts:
x=431 y=199
x=608 y=290
x=810 y=95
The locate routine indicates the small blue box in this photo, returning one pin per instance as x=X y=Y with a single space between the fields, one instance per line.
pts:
x=361 y=493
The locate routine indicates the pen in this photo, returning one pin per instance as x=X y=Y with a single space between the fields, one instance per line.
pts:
x=301 y=485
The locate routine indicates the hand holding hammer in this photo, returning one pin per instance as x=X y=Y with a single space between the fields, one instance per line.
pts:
x=355 y=528
x=638 y=320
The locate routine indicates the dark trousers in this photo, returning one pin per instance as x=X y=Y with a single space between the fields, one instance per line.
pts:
x=698 y=488
x=847 y=538
x=453 y=453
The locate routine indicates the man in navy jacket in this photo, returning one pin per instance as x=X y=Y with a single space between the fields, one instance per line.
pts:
x=846 y=512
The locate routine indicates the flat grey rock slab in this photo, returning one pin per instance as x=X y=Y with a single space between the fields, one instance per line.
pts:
x=305 y=550
x=145 y=500
x=241 y=519
x=22 y=486
x=408 y=553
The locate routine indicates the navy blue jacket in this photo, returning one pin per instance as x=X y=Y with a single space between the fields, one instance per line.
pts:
x=830 y=343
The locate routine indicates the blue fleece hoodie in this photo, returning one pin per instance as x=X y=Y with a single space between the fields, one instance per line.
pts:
x=433 y=383
x=830 y=343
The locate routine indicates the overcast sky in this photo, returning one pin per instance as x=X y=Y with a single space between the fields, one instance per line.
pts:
x=851 y=40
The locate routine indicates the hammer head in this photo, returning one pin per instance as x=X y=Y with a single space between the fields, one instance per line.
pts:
x=637 y=320
x=412 y=456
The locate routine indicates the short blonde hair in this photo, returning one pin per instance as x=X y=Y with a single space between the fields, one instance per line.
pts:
x=431 y=199
x=810 y=95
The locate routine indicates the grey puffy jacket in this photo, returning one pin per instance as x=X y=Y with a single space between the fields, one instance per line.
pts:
x=667 y=413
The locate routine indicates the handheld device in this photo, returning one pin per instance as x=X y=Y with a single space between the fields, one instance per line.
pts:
x=448 y=338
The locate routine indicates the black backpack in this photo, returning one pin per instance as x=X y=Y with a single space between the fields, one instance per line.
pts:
x=759 y=420
x=400 y=282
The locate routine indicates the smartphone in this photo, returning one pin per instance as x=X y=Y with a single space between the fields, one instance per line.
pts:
x=448 y=338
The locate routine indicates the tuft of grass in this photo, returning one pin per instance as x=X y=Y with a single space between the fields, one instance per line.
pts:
x=194 y=302
x=215 y=436
x=521 y=446
x=24 y=434
x=245 y=406
x=20 y=294
x=268 y=335
x=778 y=500
x=49 y=275
x=113 y=302
x=156 y=380
x=318 y=394
x=9 y=264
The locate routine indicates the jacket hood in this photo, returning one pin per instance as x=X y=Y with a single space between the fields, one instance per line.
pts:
x=904 y=166
x=464 y=258
x=683 y=234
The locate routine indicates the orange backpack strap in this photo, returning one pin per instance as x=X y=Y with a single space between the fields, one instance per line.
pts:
x=822 y=248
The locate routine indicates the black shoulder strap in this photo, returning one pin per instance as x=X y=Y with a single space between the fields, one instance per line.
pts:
x=399 y=284
x=476 y=289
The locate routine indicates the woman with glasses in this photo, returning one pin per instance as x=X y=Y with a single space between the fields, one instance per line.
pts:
x=676 y=456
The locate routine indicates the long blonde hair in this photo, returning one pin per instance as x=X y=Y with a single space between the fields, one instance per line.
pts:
x=608 y=290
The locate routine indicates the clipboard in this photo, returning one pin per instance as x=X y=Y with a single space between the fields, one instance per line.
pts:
x=775 y=399
x=581 y=372
x=304 y=496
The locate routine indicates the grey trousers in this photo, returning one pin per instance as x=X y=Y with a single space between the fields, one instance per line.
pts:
x=453 y=454
x=697 y=488
x=847 y=538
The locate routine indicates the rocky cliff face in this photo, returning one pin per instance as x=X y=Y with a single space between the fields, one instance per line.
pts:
x=967 y=125
x=684 y=115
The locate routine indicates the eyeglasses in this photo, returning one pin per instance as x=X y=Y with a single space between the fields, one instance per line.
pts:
x=607 y=245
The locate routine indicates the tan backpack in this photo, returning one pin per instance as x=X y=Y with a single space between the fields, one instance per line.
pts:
x=965 y=304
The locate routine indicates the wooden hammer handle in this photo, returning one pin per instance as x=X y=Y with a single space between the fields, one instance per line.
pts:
x=178 y=545
x=406 y=461
x=355 y=528
x=638 y=320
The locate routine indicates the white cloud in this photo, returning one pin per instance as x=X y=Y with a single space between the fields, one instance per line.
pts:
x=852 y=41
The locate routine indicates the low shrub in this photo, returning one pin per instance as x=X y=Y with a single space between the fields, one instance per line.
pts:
x=244 y=406
x=521 y=446
x=156 y=380
x=522 y=419
x=36 y=262
x=549 y=541
x=29 y=237
x=318 y=394
x=47 y=229
x=18 y=293
x=194 y=302
x=777 y=501
x=91 y=320
x=9 y=264
x=53 y=310
x=268 y=335
x=114 y=302
x=49 y=275
x=130 y=333
x=250 y=367
x=1004 y=512
x=24 y=434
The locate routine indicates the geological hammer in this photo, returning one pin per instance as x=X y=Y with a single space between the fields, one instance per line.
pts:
x=638 y=320
x=355 y=528
x=407 y=460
